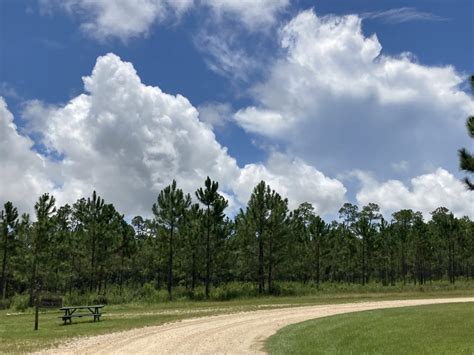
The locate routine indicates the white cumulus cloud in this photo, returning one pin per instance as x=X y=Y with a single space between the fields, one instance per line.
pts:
x=425 y=193
x=336 y=100
x=122 y=19
x=294 y=179
x=23 y=172
x=215 y=114
x=128 y=140
x=255 y=14
x=125 y=19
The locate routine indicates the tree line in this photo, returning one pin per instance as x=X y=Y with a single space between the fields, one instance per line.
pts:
x=190 y=242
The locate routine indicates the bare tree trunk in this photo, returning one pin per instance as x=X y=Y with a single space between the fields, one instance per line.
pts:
x=193 y=271
x=208 y=254
x=4 y=264
x=37 y=301
x=318 y=263
x=261 y=280
x=363 y=260
x=121 y=272
x=270 y=265
x=404 y=265
x=33 y=278
x=92 y=276
x=170 y=263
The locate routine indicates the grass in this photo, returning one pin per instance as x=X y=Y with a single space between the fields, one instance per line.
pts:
x=17 y=334
x=431 y=329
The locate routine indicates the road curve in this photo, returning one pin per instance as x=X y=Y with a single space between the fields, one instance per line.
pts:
x=242 y=333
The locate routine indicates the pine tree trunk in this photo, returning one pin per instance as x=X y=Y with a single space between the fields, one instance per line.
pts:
x=170 y=263
x=208 y=253
x=453 y=268
x=121 y=271
x=318 y=263
x=92 y=276
x=261 y=280
x=363 y=260
x=404 y=271
x=193 y=271
x=4 y=264
x=37 y=301
x=351 y=274
x=33 y=275
x=392 y=276
x=270 y=265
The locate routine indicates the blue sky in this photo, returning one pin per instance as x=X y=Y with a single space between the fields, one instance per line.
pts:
x=228 y=59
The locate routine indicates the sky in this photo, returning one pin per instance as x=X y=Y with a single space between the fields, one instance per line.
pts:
x=327 y=101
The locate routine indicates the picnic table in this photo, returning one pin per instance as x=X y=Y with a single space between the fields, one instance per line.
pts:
x=70 y=312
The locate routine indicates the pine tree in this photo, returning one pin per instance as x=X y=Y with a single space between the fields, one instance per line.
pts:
x=467 y=159
x=277 y=228
x=44 y=210
x=403 y=223
x=126 y=247
x=348 y=214
x=300 y=247
x=193 y=230
x=215 y=206
x=258 y=211
x=446 y=227
x=169 y=211
x=61 y=245
x=89 y=213
x=9 y=220
x=318 y=231
x=365 y=227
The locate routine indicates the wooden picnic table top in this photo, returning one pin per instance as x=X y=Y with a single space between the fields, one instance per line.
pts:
x=81 y=307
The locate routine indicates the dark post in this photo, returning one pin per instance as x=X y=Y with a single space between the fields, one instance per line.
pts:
x=37 y=301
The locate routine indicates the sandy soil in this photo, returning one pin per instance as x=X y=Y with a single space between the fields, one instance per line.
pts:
x=241 y=333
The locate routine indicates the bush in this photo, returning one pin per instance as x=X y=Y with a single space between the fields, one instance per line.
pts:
x=198 y=294
x=20 y=302
x=75 y=299
x=148 y=291
x=98 y=299
x=233 y=290
x=4 y=304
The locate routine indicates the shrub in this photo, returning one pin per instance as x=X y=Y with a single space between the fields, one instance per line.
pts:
x=4 y=304
x=98 y=299
x=20 y=302
x=233 y=290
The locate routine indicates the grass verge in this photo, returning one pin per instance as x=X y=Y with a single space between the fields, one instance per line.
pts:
x=430 y=329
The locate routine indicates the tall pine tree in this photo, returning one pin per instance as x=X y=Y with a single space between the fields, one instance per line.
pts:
x=466 y=158
x=169 y=211
x=9 y=219
x=214 y=214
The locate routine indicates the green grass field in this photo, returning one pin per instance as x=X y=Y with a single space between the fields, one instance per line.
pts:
x=17 y=334
x=431 y=329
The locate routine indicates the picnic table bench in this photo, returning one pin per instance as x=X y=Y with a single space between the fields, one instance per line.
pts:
x=70 y=312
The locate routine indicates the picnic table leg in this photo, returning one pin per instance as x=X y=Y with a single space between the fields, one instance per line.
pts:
x=69 y=313
x=94 y=312
x=65 y=317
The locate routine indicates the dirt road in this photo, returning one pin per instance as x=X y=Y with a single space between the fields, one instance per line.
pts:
x=241 y=333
